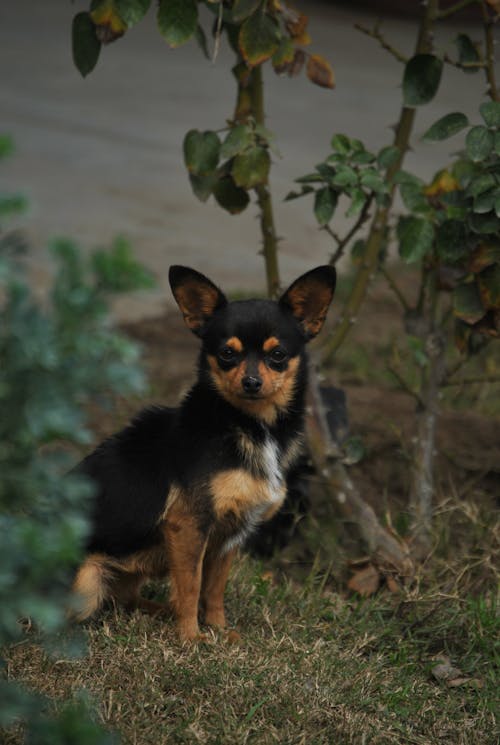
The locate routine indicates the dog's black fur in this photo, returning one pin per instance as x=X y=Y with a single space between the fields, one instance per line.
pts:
x=178 y=490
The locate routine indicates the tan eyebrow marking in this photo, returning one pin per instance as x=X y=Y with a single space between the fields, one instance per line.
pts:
x=270 y=344
x=235 y=344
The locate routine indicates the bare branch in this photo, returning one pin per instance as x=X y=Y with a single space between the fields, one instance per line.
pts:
x=376 y=34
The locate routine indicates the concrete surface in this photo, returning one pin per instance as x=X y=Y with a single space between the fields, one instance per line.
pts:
x=102 y=156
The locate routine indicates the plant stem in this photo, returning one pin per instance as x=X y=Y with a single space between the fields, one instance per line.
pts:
x=490 y=53
x=454 y=9
x=422 y=485
x=380 y=219
x=264 y=200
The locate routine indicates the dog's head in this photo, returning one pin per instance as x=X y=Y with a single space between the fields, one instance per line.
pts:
x=253 y=350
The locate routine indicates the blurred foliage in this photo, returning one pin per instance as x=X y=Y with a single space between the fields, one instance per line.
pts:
x=54 y=357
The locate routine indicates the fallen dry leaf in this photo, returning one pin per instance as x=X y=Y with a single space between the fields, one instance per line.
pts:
x=365 y=581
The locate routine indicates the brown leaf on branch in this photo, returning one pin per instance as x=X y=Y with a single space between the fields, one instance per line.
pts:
x=320 y=72
x=296 y=26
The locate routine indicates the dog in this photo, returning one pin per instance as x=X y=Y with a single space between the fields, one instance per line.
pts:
x=178 y=490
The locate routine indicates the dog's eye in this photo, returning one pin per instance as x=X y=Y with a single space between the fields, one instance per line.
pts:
x=227 y=354
x=277 y=355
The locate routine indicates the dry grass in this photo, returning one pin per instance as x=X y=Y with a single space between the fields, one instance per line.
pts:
x=312 y=668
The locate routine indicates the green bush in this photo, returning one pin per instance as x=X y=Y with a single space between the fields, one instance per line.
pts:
x=54 y=357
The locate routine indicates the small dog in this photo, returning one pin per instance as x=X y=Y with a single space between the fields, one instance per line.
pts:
x=178 y=490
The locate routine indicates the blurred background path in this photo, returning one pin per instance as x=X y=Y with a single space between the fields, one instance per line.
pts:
x=102 y=156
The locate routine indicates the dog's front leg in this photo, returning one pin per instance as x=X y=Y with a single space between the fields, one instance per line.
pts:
x=215 y=573
x=185 y=545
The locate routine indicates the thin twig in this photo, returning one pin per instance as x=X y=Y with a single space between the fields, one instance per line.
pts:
x=488 y=21
x=404 y=385
x=474 y=379
x=218 y=33
x=375 y=34
x=394 y=287
x=454 y=9
x=480 y=65
x=344 y=242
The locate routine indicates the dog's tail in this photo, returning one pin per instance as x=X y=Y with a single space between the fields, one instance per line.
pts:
x=90 y=587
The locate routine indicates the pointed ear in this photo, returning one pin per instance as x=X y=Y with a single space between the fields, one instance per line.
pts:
x=197 y=297
x=309 y=298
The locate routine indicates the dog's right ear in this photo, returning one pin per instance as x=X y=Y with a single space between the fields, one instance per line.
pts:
x=197 y=297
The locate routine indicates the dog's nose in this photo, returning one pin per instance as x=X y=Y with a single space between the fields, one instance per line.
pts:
x=251 y=384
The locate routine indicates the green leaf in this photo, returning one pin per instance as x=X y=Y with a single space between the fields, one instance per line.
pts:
x=238 y=139
x=243 y=9
x=344 y=176
x=201 y=152
x=177 y=20
x=490 y=111
x=416 y=236
x=296 y=194
x=421 y=79
x=283 y=56
x=371 y=179
x=467 y=52
x=413 y=198
x=489 y=286
x=485 y=224
x=485 y=202
x=485 y=254
x=325 y=202
x=341 y=144
x=132 y=11
x=445 y=127
x=358 y=201
x=404 y=177
x=497 y=142
x=201 y=40
x=259 y=38
x=480 y=184
x=251 y=168
x=203 y=186
x=230 y=197
x=362 y=158
x=85 y=44
x=479 y=143
x=309 y=178
x=451 y=241
x=467 y=303
x=388 y=156
x=6 y=146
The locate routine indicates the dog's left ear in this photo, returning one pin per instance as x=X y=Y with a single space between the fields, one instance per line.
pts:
x=197 y=297
x=309 y=297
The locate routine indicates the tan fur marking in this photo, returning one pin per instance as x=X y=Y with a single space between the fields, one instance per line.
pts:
x=197 y=302
x=91 y=586
x=172 y=496
x=270 y=343
x=185 y=547
x=275 y=394
x=235 y=344
x=310 y=302
x=215 y=573
x=238 y=491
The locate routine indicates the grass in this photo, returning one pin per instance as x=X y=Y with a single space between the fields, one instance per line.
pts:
x=312 y=667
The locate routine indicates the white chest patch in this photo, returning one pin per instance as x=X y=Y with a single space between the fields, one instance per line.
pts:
x=272 y=469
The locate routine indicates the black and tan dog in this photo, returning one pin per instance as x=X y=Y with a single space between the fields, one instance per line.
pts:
x=178 y=490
